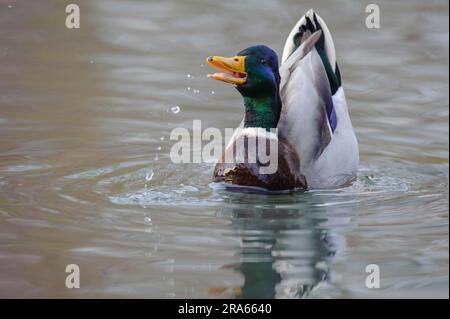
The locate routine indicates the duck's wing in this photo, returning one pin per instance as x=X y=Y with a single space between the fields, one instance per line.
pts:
x=308 y=80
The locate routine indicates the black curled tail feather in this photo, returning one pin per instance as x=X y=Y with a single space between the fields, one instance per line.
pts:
x=305 y=30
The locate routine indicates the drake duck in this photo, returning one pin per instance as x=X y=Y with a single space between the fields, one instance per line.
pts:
x=301 y=105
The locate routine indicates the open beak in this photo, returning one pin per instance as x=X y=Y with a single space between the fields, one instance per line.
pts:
x=234 y=69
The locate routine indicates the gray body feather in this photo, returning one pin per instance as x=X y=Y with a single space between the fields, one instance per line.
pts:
x=328 y=159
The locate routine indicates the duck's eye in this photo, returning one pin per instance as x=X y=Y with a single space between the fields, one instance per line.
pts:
x=263 y=61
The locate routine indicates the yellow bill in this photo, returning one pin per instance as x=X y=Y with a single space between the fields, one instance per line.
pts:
x=233 y=69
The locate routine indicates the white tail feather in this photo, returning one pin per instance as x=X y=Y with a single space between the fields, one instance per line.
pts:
x=290 y=47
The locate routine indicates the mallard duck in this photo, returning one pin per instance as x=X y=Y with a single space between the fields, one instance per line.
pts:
x=304 y=100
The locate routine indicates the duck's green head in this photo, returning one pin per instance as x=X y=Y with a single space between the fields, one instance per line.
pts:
x=255 y=73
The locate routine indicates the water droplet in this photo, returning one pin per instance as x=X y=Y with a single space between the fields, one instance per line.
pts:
x=149 y=176
x=189 y=76
x=159 y=148
x=162 y=138
x=176 y=109
x=148 y=220
x=188 y=88
x=212 y=92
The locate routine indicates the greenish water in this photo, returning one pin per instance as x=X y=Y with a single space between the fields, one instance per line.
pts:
x=83 y=113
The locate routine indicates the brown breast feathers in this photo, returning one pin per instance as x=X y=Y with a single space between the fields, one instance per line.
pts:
x=260 y=162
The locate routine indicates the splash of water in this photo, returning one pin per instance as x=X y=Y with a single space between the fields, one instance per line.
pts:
x=175 y=109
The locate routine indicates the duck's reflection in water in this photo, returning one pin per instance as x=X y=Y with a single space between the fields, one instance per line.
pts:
x=285 y=252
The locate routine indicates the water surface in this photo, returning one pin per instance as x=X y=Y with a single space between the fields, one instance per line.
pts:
x=84 y=112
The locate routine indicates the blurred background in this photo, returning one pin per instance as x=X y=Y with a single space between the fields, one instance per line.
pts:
x=85 y=175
